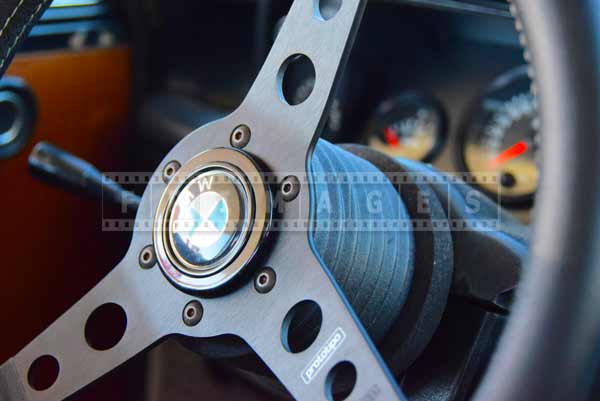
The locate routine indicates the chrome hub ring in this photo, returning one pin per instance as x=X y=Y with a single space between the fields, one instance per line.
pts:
x=211 y=219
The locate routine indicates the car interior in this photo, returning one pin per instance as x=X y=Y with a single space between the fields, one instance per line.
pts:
x=309 y=200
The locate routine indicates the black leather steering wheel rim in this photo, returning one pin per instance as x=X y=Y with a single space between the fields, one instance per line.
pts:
x=549 y=350
x=17 y=17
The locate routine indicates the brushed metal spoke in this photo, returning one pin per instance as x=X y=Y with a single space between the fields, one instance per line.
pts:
x=300 y=277
x=275 y=124
x=153 y=308
x=282 y=137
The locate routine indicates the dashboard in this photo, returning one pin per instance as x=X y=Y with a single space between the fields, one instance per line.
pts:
x=445 y=86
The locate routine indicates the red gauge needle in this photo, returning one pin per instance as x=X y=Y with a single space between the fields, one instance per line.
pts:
x=391 y=137
x=510 y=153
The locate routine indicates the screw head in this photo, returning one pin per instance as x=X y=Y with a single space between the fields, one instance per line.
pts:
x=240 y=136
x=290 y=187
x=192 y=313
x=147 y=257
x=264 y=281
x=170 y=170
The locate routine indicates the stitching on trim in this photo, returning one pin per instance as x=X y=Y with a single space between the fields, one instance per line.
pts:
x=10 y=49
x=11 y=17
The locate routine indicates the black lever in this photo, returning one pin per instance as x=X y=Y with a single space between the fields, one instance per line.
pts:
x=62 y=169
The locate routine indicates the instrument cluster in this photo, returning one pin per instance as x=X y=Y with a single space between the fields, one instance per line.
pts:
x=497 y=135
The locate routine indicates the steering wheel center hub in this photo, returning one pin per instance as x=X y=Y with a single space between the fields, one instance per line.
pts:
x=211 y=219
x=207 y=220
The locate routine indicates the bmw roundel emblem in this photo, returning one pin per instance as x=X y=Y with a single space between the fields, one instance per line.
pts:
x=211 y=220
x=206 y=218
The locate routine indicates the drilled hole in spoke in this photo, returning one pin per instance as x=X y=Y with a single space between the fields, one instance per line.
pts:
x=301 y=326
x=340 y=381
x=43 y=373
x=296 y=79
x=105 y=327
x=328 y=8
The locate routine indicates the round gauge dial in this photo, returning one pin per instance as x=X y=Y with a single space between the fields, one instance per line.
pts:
x=411 y=125
x=500 y=142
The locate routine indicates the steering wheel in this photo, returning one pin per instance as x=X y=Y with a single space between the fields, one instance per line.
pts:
x=260 y=156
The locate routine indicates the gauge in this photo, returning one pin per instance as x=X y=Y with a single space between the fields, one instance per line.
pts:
x=500 y=140
x=411 y=125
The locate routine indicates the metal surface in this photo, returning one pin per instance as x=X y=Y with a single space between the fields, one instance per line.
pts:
x=147 y=257
x=290 y=188
x=170 y=169
x=282 y=140
x=246 y=237
x=12 y=100
x=18 y=116
x=240 y=136
x=192 y=313
x=265 y=280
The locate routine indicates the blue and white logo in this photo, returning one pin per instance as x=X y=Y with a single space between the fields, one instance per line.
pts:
x=205 y=217
x=208 y=215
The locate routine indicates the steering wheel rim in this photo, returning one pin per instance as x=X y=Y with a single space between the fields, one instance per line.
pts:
x=549 y=349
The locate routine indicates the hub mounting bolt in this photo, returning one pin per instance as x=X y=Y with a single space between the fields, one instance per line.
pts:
x=170 y=170
x=240 y=137
x=192 y=313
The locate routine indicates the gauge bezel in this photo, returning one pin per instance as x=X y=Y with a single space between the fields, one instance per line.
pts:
x=420 y=96
x=506 y=78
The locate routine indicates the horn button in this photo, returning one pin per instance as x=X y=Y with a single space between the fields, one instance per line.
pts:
x=211 y=219
x=206 y=222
